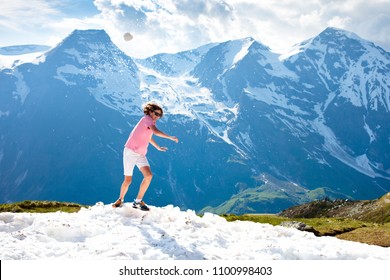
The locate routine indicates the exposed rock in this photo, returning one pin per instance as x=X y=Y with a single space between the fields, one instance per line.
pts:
x=299 y=226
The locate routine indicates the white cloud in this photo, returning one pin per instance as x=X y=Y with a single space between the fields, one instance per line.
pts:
x=174 y=25
x=41 y=21
x=15 y=15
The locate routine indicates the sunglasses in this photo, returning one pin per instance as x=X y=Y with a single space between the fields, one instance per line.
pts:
x=157 y=114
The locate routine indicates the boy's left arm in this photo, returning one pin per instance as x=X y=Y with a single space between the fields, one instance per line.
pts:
x=157 y=146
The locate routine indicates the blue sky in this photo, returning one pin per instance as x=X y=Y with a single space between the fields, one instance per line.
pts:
x=175 y=25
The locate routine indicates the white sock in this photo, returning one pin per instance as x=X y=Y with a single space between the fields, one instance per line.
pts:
x=137 y=200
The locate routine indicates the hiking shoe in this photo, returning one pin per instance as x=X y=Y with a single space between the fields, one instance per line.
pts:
x=140 y=205
x=118 y=203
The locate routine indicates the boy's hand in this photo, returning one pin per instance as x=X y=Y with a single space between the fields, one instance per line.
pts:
x=175 y=139
x=162 y=149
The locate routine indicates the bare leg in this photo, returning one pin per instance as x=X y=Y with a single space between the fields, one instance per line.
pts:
x=125 y=186
x=147 y=173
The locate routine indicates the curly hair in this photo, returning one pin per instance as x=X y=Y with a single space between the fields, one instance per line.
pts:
x=151 y=107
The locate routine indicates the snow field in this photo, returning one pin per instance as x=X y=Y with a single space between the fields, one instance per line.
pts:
x=167 y=233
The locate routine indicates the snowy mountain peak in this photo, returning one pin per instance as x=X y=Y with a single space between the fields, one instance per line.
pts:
x=91 y=43
x=347 y=65
x=333 y=40
x=336 y=34
x=78 y=37
x=362 y=66
x=342 y=43
x=89 y=61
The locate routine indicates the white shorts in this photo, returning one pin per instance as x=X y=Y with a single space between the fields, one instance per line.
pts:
x=131 y=159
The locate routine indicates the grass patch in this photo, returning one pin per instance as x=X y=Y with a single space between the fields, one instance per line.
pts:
x=375 y=235
x=343 y=228
x=40 y=207
x=334 y=226
x=257 y=218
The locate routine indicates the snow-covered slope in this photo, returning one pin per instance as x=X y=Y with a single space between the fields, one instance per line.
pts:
x=100 y=232
x=349 y=77
x=16 y=55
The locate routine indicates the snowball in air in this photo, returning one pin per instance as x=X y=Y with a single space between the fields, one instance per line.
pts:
x=127 y=36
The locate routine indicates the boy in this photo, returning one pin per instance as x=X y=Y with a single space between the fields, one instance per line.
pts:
x=135 y=150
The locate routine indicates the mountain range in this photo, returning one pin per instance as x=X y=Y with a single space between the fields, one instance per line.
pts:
x=259 y=132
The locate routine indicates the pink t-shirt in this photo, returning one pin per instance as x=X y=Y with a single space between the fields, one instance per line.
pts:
x=140 y=135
